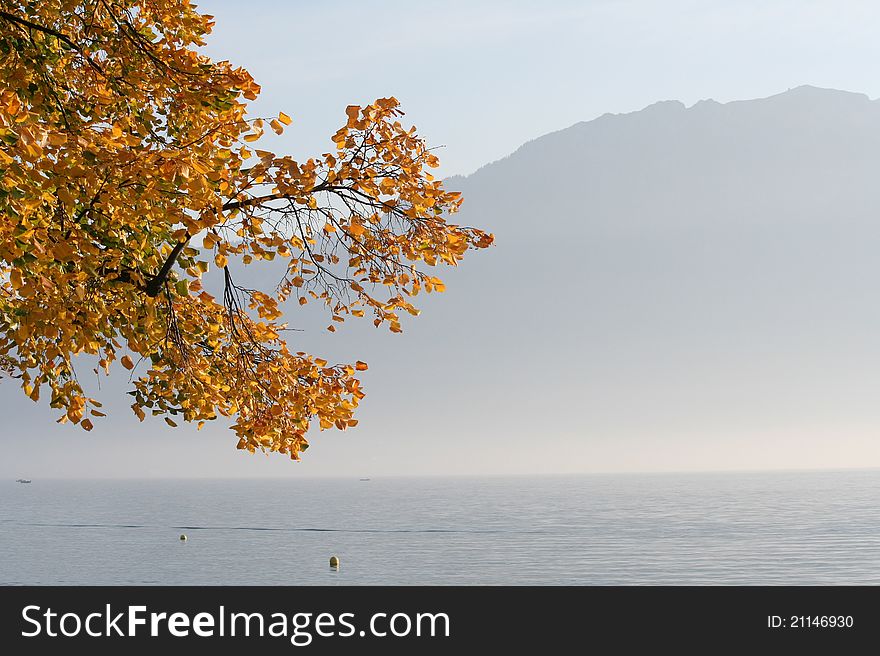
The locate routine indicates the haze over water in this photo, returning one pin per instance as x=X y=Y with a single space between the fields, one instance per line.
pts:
x=712 y=528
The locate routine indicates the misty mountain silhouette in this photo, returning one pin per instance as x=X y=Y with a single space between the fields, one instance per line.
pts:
x=803 y=151
x=710 y=269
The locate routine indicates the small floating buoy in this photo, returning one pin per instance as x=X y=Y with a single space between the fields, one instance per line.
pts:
x=183 y=537
x=334 y=562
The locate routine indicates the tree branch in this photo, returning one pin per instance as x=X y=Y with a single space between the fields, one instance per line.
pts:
x=155 y=284
x=12 y=18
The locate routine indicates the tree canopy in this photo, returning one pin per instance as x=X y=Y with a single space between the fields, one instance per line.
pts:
x=129 y=166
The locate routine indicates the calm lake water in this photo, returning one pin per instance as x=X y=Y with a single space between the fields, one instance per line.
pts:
x=751 y=528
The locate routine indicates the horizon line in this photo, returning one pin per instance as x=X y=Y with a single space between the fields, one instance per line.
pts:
x=788 y=470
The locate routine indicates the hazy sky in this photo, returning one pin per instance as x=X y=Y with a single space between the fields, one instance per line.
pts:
x=481 y=78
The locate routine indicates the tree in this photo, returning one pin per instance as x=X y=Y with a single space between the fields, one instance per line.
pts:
x=122 y=150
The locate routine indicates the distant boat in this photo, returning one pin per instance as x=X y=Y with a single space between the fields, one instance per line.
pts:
x=365 y=479
x=22 y=480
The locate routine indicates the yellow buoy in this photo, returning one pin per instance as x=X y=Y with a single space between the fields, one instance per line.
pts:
x=183 y=537
x=334 y=562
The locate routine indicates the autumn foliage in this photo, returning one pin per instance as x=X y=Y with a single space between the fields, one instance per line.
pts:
x=129 y=167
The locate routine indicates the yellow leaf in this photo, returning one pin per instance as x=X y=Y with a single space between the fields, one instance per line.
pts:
x=221 y=260
x=284 y=118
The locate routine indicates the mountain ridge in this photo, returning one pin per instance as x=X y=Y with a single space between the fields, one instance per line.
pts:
x=809 y=92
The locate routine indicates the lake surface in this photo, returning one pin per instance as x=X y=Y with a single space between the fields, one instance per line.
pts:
x=720 y=528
